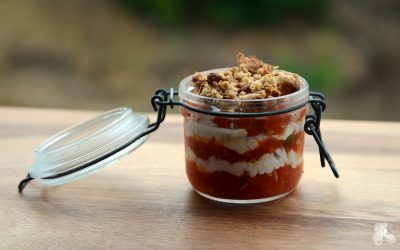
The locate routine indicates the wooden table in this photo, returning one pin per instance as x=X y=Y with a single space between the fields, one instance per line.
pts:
x=145 y=201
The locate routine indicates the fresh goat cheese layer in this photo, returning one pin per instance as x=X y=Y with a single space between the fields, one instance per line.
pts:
x=236 y=139
x=265 y=165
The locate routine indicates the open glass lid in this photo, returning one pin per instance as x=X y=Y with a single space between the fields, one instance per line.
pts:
x=88 y=146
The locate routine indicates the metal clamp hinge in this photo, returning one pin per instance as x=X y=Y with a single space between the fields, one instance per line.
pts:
x=312 y=127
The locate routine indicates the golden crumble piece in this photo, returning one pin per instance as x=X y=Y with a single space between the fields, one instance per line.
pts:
x=256 y=86
x=250 y=64
x=198 y=78
x=252 y=79
x=256 y=95
x=290 y=83
x=209 y=91
x=266 y=69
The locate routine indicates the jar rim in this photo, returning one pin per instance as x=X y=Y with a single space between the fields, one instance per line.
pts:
x=185 y=92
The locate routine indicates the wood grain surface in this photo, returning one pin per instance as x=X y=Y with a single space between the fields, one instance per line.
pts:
x=144 y=201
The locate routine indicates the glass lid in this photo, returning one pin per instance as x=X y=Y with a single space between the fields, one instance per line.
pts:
x=88 y=146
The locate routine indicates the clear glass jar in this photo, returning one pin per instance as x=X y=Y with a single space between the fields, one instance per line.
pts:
x=245 y=159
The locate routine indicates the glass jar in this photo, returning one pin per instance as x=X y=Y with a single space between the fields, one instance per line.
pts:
x=243 y=159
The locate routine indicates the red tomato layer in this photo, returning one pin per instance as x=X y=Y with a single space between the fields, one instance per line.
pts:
x=224 y=185
x=255 y=126
x=206 y=148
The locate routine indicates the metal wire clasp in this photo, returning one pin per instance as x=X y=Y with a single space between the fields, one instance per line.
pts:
x=312 y=127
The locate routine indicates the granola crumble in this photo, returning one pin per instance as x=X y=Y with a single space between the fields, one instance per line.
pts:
x=252 y=79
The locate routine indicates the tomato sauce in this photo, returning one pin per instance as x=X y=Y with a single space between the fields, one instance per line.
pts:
x=255 y=126
x=221 y=184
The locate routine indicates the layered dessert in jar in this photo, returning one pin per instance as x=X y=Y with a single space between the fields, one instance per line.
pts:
x=244 y=159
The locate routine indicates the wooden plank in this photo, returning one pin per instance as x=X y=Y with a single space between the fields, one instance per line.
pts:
x=146 y=202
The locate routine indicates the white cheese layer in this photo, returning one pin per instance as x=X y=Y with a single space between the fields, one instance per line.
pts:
x=236 y=139
x=266 y=164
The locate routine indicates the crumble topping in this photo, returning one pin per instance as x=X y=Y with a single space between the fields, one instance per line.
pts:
x=252 y=79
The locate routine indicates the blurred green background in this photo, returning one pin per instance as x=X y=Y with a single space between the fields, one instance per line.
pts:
x=98 y=54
